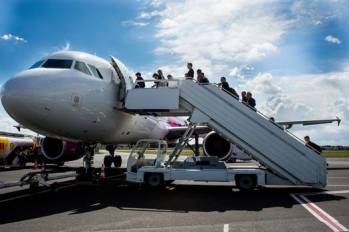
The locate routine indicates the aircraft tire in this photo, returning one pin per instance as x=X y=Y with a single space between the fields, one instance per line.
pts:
x=108 y=160
x=117 y=161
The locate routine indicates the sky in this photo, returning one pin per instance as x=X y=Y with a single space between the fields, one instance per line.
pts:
x=292 y=55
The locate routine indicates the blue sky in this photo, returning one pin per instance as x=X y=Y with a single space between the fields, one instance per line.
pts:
x=92 y=26
x=277 y=49
x=100 y=27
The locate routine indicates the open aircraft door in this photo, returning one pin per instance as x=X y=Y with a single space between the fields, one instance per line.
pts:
x=122 y=88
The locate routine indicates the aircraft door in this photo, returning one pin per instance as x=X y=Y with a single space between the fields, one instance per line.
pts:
x=122 y=86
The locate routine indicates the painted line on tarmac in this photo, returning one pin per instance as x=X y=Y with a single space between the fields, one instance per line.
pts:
x=318 y=213
x=338 y=185
x=226 y=228
x=327 y=192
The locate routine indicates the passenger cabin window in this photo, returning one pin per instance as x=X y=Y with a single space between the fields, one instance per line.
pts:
x=82 y=67
x=37 y=64
x=95 y=71
x=55 y=63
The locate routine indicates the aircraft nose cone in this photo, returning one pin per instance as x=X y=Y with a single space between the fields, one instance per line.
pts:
x=19 y=96
x=13 y=95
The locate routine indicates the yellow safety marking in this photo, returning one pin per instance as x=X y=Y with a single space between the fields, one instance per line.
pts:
x=4 y=144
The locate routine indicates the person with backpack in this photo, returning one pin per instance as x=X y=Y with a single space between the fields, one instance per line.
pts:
x=225 y=86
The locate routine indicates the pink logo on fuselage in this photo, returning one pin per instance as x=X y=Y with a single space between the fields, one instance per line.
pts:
x=173 y=122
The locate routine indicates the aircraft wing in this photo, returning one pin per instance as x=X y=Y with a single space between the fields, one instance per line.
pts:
x=10 y=134
x=288 y=125
x=177 y=132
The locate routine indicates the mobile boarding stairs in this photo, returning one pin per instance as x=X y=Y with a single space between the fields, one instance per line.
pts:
x=281 y=154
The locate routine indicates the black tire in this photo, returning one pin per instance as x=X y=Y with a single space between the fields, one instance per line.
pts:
x=117 y=161
x=34 y=187
x=154 y=180
x=245 y=182
x=108 y=160
x=168 y=182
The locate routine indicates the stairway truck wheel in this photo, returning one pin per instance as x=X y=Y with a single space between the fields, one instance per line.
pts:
x=246 y=182
x=108 y=160
x=154 y=180
x=34 y=186
x=117 y=161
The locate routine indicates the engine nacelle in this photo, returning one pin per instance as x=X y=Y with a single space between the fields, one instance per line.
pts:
x=56 y=150
x=215 y=145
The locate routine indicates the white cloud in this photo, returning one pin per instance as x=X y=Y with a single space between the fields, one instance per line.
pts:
x=149 y=15
x=215 y=35
x=66 y=47
x=133 y=23
x=316 y=13
x=154 y=3
x=273 y=100
x=306 y=97
x=10 y=37
x=332 y=39
x=241 y=71
x=220 y=30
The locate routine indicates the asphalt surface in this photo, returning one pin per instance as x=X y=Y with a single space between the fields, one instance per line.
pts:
x=117 y=206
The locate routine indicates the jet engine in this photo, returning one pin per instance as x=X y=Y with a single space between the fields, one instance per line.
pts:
x=56 y=150
x=215 y=145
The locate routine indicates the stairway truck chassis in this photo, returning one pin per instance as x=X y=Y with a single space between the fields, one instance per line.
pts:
x=157 y=169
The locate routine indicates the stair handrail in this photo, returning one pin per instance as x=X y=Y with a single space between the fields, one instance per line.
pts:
x=263 y=115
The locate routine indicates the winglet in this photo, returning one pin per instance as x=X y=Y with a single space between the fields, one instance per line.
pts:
x=338 y=120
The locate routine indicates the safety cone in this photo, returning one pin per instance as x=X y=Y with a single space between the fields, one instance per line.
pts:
x=102 y=176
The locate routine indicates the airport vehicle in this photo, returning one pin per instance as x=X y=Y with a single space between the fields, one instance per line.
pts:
x=158 y=168
x=277 y=150
x=78 y=100
x=16 y=151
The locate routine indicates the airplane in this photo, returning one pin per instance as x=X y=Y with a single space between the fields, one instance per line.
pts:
x=75 y=99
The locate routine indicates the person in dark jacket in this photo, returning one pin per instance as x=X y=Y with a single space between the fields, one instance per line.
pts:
x=224 y=84
x=243 y=97
x=312 y=145
x=199 y=76
x=139 y=78
x=250 y=100
x=190 y=74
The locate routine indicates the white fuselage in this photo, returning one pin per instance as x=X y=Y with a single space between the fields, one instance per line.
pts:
x=69 y=104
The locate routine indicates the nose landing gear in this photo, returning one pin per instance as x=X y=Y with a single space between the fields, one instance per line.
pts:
x=112 y=158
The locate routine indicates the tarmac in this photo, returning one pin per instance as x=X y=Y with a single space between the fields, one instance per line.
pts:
x=182 y=206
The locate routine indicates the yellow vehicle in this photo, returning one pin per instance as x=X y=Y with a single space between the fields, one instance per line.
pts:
x=14 y=151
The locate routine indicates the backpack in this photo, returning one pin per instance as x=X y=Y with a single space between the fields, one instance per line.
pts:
x=234 y=93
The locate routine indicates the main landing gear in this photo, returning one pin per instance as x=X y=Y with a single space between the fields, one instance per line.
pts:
x=112 y=158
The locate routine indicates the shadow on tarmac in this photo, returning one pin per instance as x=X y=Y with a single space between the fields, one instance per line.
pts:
x=83 y=198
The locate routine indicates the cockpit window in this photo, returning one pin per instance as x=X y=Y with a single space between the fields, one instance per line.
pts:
x=80 y=66
x=37 y=64
x=55 y=63
x=95 y=71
